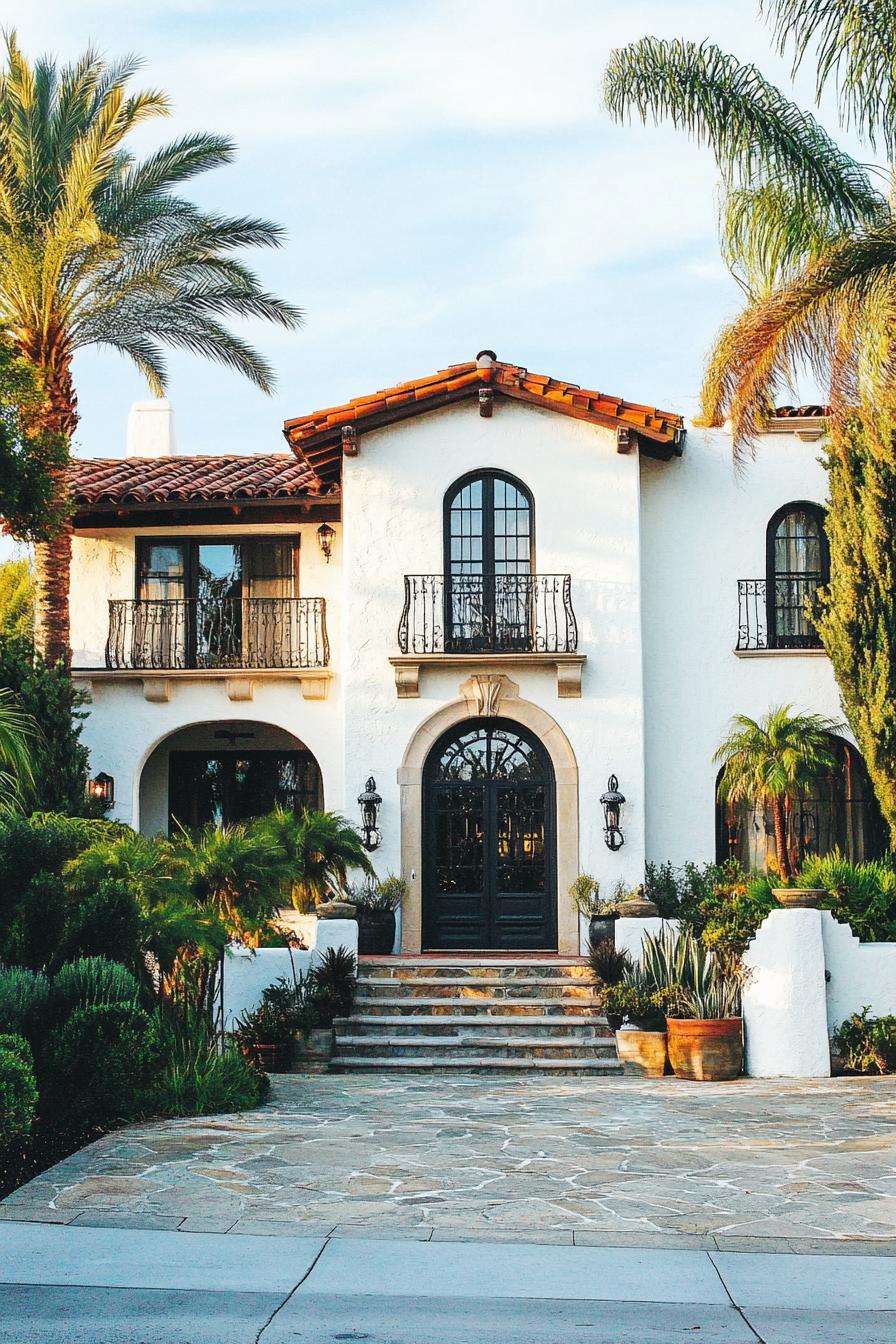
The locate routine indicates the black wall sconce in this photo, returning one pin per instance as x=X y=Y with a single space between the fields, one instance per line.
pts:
x=325 y=535
x=370 y=802
x=611 y=802
x=102 y=786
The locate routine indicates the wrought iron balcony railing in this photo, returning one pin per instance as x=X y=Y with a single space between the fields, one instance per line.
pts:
x=487 y=613
x=780 y=617
x=287 y=632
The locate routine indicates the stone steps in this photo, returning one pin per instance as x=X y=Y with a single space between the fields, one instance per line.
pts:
x=462 y=1063
x=481 y=1014
x=465 y=1027
x=372 y=1006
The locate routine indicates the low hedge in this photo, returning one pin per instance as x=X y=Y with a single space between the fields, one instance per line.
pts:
x=18 y=1091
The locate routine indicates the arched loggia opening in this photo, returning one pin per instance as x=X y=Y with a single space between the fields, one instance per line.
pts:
x=839 y=812
x=225 y=772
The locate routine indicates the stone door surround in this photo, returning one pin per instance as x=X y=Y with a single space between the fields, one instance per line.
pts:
x=485 y=696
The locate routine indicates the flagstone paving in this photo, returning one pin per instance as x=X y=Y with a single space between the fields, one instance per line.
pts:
x=627 y=1161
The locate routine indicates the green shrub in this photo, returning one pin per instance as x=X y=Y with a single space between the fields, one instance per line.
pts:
x=91 y=982
x=636 y=1001
x=98 y=1065
x=18 y=1091
x=866 y=1044
x=53 y=700
x=862 y=895
x=197 y=1076
x=331 y=985
x=24 y=1001
x=104 y=923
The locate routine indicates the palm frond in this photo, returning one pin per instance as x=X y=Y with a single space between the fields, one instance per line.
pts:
x=756 y=134
x=853 y=43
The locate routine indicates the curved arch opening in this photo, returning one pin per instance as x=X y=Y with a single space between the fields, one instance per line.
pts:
x=839 y=811
x=224 y=772
x=489 y=840
x=797 y=565
x=489 y=552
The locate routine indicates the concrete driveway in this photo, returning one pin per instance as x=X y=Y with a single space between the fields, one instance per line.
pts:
x=747 y=1166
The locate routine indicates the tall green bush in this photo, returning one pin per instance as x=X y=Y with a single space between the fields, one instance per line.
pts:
x=18 y=1091
x=97 y=1065
x=61 y=760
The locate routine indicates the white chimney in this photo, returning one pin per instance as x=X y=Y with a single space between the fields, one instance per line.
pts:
x=151 y=429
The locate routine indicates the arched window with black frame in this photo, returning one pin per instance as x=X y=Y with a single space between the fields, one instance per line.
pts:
x=797 y=565
x=838 y=812
x=489 y=564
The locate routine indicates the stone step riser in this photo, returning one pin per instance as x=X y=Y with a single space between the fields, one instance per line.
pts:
x=507 y=990
x=498 y=1067
x=408 y=974
x=440 y=1048
x=525 y=1009
x=432 y=1028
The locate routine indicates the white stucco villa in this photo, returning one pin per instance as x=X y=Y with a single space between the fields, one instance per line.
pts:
x=486 y=590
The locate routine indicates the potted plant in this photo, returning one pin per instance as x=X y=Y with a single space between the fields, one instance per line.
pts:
x=706 y=1032
x=375 y=912
x=328 y=992
x=641 y=1039
x=609 y=964
x=265 y=1034
x=601 y=915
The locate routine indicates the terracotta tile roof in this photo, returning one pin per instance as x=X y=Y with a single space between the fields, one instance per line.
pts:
x=161 y=480
x=814 y=411
x=318 y=438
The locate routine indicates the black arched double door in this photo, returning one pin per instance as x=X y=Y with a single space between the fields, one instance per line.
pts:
x=489 y=841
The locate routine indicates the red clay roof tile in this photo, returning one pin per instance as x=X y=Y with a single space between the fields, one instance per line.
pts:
x=316 y=438
x=144 y=480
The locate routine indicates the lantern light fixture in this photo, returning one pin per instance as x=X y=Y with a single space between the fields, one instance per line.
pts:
x=611 y=801
x=102 y=787
x=325 y=535
x=370 y=802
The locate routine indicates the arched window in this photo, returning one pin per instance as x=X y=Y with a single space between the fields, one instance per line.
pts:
x=797 y=565
x=839 y=811
x=489 y=560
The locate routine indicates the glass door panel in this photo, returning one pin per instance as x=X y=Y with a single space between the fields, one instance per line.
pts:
x=159 y=633
x=219 y=613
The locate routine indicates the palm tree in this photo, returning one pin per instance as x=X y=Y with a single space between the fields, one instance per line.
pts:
x=808 y=231
x=17 y=733
x=320 y=849
x=97 y=248
x=236 y=871
x=769 y=762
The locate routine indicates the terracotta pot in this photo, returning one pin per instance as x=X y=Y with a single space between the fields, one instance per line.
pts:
x=642 y=1053
x=798 y=898
x=274 y=1058
x=706 y=1050
x=376 y=932
x=601 y=928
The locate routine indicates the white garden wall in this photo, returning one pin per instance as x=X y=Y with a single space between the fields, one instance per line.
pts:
x=248 y=972
x=807 y=974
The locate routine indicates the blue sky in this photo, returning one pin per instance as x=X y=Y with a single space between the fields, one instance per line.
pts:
x=448 y=180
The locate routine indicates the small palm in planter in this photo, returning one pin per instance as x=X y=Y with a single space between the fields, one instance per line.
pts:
x=266 y=1034
x=601 y=915
x=609 y=965
x=375 y=912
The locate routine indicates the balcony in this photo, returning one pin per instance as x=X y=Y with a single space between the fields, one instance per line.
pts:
x=476 y=620
x=241 y=640
x=783 y=625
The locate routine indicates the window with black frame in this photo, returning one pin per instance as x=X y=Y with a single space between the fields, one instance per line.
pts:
x=797 y=566
x=209 y=602
x=489 y=551
x=226 y=787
